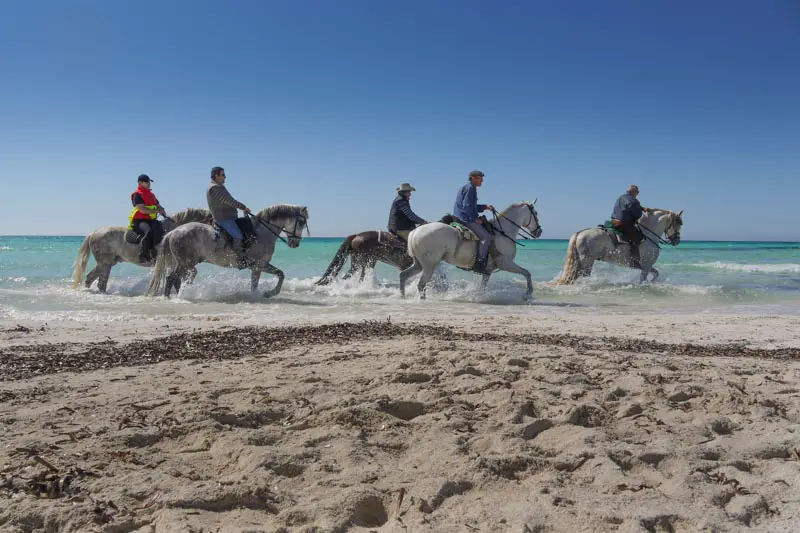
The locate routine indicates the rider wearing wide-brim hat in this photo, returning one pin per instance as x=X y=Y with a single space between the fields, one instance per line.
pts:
x=401 y=218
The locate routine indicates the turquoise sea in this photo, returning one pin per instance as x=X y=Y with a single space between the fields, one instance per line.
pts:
x=742 y=277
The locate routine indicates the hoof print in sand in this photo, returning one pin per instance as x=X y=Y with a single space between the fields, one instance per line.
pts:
x=588 y=416
x=247 y=419
x=402 y=409
x=533 y=429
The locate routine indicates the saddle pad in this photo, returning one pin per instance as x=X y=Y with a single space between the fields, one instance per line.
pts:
x=133 y=237
x=466 y=233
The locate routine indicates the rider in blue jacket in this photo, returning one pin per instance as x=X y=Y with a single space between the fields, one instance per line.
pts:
x=467 y=210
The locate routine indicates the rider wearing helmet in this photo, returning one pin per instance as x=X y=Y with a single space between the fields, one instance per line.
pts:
x=467 y=209
x=223 y=208
x=144 y=218
x=401 y=218
x=627 y=212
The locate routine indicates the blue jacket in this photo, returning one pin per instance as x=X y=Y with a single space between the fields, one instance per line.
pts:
x=627 y=209
x=467 y=206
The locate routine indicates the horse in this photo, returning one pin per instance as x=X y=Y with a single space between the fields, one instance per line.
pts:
x=365 y=249
x=109 y=247
x=192 y=244
x=432 y=243
x=598 y=244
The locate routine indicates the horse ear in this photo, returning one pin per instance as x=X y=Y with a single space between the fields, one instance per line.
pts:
x=681 y=213
x=534 y=201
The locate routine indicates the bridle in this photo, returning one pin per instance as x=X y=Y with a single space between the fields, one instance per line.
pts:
x=526 y=233
x=673 y=239
x=300 y=220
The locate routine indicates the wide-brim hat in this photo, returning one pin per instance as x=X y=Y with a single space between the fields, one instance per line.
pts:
x=405 y=187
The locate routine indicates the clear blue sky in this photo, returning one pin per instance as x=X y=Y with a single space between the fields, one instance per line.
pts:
x=331 y=104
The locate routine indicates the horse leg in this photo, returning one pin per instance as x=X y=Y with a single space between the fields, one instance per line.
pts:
x=655 y=274
x=91 y=277
x=102 y=282
x=370 y=263
x=269 y=269
x=255 y=275
x=427 y=274
x=485 y=280
x=190 y=277
x=413 y=270
x=510 y=266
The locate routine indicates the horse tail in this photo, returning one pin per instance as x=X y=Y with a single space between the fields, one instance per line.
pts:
x=338 y=261
x=81 y=261
x=571 y=264
x=160 y=269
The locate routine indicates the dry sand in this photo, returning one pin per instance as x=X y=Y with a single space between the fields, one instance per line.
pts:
x=405 y=428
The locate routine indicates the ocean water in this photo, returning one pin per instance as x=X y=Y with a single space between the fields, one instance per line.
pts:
x=741 y=277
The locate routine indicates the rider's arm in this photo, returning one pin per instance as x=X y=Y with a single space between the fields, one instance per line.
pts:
x=405 y=208
x=223 y=196
x=138 y=203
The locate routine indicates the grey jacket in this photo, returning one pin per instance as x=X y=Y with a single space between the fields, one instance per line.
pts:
x=222 y=205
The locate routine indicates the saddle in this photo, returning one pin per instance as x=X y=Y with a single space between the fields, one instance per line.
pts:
x=245 y=226
x=388 y=238
x=133 y=237
x=616 y=235
x=465 y=233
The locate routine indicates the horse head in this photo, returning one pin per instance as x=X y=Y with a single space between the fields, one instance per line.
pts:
x=665 y=222
x=292 y=219
x=673 y=231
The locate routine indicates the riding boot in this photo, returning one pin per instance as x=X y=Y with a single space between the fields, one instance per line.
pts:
x=242 y=261
x=480 y=266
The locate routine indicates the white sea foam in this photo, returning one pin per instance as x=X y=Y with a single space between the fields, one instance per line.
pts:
x=767 y=268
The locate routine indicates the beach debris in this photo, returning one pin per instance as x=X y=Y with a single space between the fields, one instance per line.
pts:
x=24 y=361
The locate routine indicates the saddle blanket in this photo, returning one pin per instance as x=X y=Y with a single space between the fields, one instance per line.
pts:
x=465 y=233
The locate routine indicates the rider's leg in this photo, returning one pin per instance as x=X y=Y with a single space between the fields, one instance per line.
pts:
x=233 y=230
x=145 y=227
x=403 y=234
x=483 y=246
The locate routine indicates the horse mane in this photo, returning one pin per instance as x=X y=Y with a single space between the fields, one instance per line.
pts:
x=513 y=206
x=282 y=211
x=191 y=214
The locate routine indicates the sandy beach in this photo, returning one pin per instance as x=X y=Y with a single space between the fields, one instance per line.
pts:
x=587 y=423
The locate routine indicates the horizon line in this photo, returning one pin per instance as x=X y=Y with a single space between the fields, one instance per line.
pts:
x=345 y=236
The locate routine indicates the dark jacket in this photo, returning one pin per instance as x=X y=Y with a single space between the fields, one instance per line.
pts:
x=627 y=209
x=467 y=207
x=401 y=217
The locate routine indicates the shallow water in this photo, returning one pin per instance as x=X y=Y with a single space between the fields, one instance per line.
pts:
x=741 y=277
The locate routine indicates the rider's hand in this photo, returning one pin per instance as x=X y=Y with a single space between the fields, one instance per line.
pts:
x=246 y=210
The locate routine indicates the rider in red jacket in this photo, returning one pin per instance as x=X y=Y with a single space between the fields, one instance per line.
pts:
x=144 y=218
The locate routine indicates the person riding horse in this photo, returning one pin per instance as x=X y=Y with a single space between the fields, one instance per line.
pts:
x=144 y=218
x=625 y=216
x=223 y=208
x=467 y=209
x=401 y=218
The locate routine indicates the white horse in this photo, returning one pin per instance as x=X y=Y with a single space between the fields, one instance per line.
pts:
x=192 y=244
x=430 y=244
x=597 y=244
x=109 y=248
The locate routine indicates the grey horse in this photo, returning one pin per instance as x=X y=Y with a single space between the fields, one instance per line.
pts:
x=109 y=248
x=596 y=244
x=192 y=244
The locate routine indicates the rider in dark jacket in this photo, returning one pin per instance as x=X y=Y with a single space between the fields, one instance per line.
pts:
x=626 y=214
x=401 y=218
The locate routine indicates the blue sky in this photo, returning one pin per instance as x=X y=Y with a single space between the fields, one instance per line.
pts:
x=331 y=104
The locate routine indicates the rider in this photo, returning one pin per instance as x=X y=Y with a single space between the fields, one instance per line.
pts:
x=223 y=208
x=626 y=214
x=467 y=208
x=401 y=218
x=144 y=218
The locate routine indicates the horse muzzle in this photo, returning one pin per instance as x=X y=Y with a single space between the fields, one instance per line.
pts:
x=675 y=240
x=293 y=242
x=537 y=233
